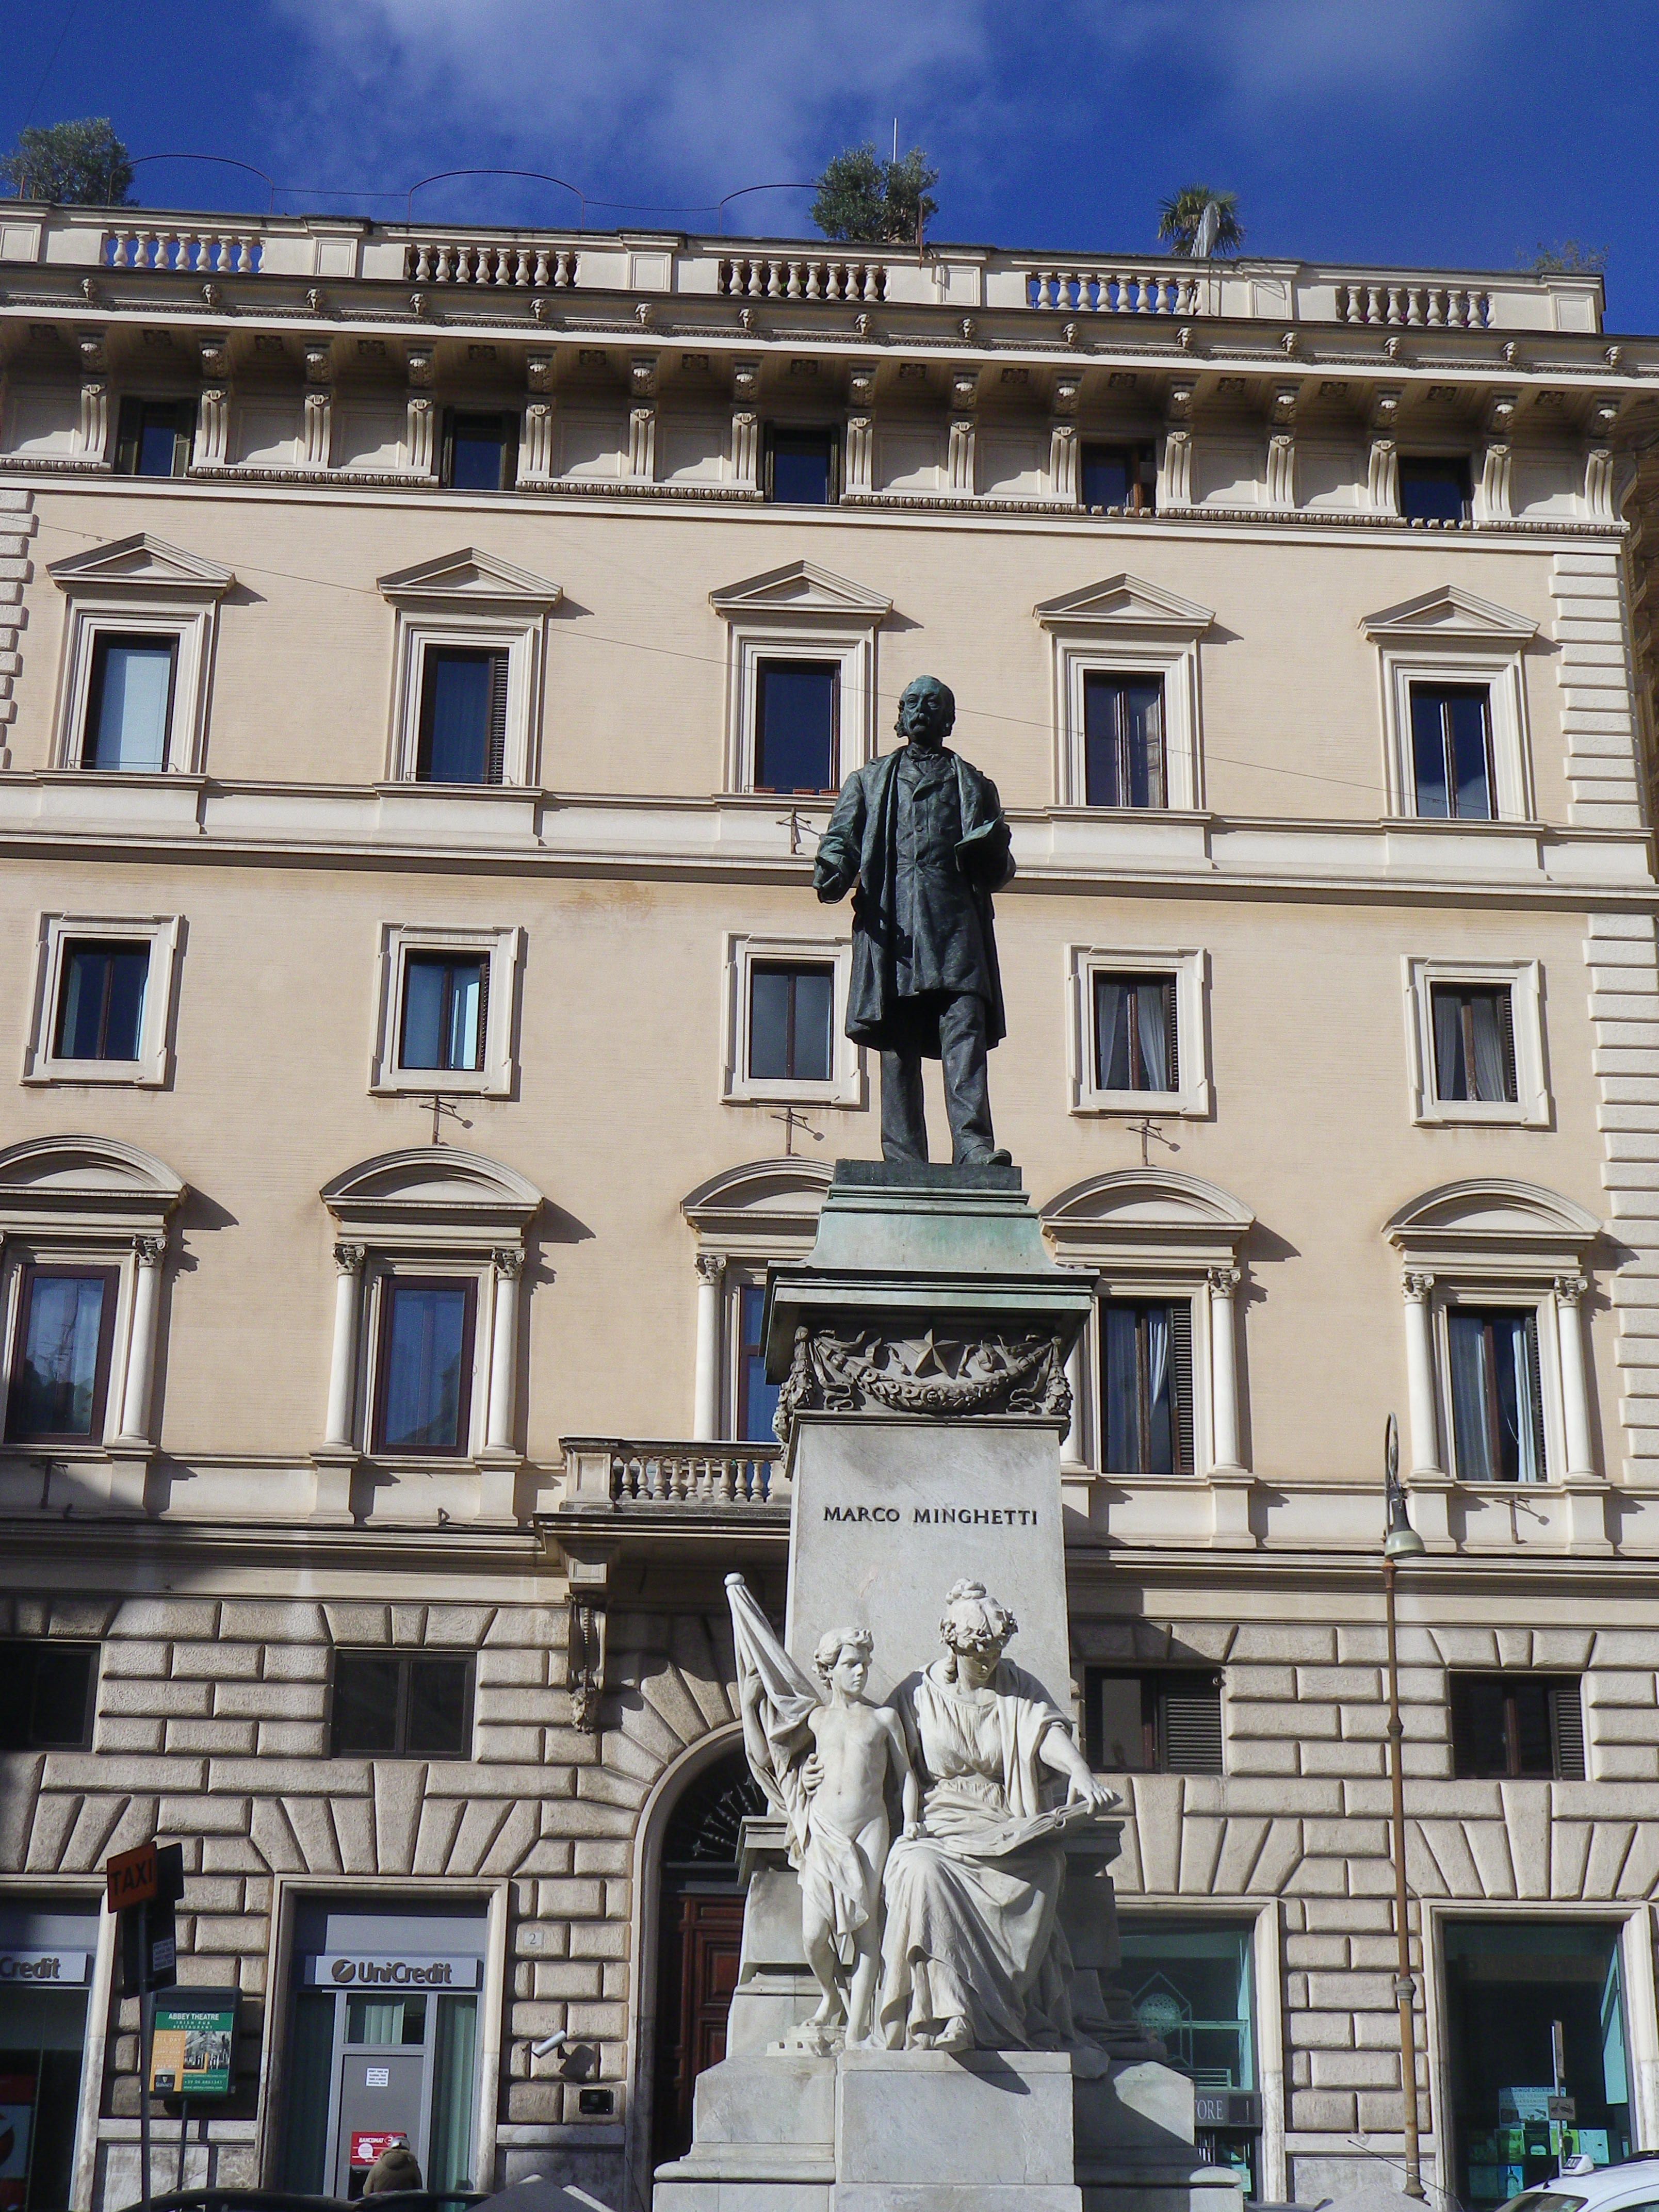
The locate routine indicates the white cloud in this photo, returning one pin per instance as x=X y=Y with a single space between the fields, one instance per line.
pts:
x=1263 y=50
x=644 y=95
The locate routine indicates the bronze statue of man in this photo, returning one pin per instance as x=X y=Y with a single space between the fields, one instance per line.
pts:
x=919 y=837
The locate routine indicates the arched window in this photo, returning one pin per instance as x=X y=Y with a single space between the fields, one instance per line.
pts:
x=743 y=1220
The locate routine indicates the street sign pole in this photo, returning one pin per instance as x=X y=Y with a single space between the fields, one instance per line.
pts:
x=146 y=2037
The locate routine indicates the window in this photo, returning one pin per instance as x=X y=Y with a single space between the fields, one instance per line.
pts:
x=1451 y=751
x=790 y=1027
x=46 y=1695
x=60 y=1359
x=155 y=437
x=101 y=1007
x=1474 y=1044
x=1434 y=489
x=463 y=715
x=1510 y=1726
x=425 y=1365
x=801 y=467
x=1167 y=1720
x=1190 y=1983
x=1146 y=1386
x=129 y=704
x=1135 y=1046
x=1123 y=741
x=1497 y=1394
x=444 y=1010
x=1118 y=476
x=795 y=726
x=408 y=1704
x=757 y=1399
x=481 y=452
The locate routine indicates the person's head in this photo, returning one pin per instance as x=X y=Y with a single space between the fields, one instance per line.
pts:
x=927 y=712
x=974 y=1630
x=397 y=2167
x=842 y=1659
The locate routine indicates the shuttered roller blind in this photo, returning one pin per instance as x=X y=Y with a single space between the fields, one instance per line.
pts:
x=1180 y=1347
x=1190 y=1723
x=1567 y=1721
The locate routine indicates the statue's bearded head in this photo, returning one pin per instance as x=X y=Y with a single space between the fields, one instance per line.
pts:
x=927 y=712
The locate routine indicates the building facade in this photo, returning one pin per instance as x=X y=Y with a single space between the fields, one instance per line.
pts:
x=426 y=662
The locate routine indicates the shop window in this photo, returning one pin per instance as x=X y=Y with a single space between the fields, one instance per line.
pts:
x=801 y=467
x=425 y=1363
x=1191 y=1984
x=1165 y=1721
x=1497 y=1394
x=1517 y=1726
x=1535 y=2012
x=1146 y=1386
x=1117 y=476
x=481 y=452
x=795 y=724
x=406 y=1705
x=1434 y=488
x=60 y=1360
x=46 y=1695
x=1123 y=741
x=43 y=2043
x=153 y=437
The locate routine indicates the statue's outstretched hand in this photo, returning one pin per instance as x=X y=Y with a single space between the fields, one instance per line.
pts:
x=1088 y=1790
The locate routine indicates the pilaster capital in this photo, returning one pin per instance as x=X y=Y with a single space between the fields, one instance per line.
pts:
x=1570 y=1289
x=1417 y=1285
x=348 y=1258
x=711 y=1268
x=1223 y=1281
x=508 y=1261
x=150 y=1250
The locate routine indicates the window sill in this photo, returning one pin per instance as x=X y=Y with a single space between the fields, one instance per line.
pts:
x=443 y=1083
x=1449 y=1114
x=1191 y=1105
x=842 y=1095
x=68 y=1075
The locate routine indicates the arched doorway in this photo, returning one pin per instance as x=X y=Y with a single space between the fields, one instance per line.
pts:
x=699 y=1933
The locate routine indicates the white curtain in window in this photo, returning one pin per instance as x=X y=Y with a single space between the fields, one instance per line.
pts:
x=1489 y=1082
x=1514 y=1349
x=1448 y=1074
x=1468 y=1380
x=1153 y=1033
x=1157 y=1354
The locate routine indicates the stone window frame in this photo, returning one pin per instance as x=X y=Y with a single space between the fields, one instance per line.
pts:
x=1150 y=1234
x=1193 y=1099
x=1532 y=1107
x=503 y=950
x=153 y=1069
x=848 y=1085
x=743 y=1220
x=1489 y=1241
x=475 y=602
x=1449 y=636
x=428 y=1211
x=799 y=612
x=138 y=586
x=1124 y=626
x=79 y=1202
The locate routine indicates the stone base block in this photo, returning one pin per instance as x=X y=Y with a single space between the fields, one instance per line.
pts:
x=920 y=2131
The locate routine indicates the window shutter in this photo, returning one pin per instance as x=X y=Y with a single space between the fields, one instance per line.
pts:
x=1567 y=1725
x=496 y=757
x=1158 y=782
x=1192 y=1723
x=1506 y=1040
x=1172 y=1034
x=1537 y=1380
x=483 y=1032
x=127 y=436
x=1180 y=1348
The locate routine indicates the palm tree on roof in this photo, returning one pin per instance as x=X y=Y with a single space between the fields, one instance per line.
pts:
x=1200 y=222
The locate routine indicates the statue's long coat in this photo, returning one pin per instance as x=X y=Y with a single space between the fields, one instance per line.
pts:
x=861 y=848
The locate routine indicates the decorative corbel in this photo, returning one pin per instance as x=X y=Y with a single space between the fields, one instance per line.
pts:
x=960 y=456
x=588 y=1633
x=859 y=464
x=642 y=375
x=319 y=429
x=643 y=444
x=1382 y=471
x=420 y=440
x=213 y=404
x=1067 y=391
x=1063 y=462
x=92 y=441
x=861 y=384
x=1281 y=447
x=1600 y=503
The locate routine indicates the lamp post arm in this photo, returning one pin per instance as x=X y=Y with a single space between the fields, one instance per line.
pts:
x=1405 y=1987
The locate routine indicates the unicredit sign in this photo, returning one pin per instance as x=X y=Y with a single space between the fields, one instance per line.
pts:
x=60 y=1967
x=354 y=1971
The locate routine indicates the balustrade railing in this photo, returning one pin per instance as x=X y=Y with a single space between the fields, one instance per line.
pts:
x=202 y=252
x=1112 y=291
x=697 y=1475
x=762 y=278
x=537 y=268
x=1419 y=307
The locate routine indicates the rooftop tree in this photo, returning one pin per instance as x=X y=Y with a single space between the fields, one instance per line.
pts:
x=1200 y=222
x=870 y=202
x=81 y=164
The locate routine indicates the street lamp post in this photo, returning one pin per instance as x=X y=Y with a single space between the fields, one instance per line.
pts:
x=1400 y=1541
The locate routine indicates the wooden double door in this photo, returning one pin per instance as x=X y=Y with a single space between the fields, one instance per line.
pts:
x=701 y=1935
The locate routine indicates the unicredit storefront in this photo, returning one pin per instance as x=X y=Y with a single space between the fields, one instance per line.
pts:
x=383 y=2042
x=47 y=1957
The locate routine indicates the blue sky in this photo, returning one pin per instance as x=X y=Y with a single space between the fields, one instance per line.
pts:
x=1447 y=133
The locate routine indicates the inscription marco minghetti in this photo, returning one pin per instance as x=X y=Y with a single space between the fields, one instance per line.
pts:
x=939 y=1516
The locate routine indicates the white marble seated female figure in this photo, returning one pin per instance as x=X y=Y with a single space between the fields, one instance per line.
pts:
x=973 y=1956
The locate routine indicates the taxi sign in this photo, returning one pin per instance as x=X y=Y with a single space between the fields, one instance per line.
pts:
x=133 y=1877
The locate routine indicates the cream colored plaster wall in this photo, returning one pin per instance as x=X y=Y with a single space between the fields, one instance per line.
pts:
x=619 y=1116
x=636 y=688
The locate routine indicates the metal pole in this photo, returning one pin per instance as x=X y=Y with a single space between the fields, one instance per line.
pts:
x=146 y=2037
x=1405 y=1988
